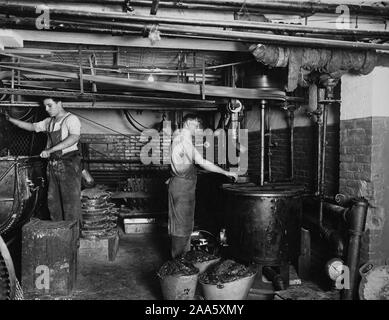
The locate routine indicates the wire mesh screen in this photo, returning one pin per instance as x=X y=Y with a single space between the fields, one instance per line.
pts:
x=20 y=142
x=23 y=143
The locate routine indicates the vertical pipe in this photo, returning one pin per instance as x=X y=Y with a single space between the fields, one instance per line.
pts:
x=323 y=150
x=262 y=164
x=81 y=72
x=357 y=220
x=203 y=82
x=291 y=117
x=319 y=116
x=19 y=98
x=194 y=67
x=269 y=154
x=13 y=81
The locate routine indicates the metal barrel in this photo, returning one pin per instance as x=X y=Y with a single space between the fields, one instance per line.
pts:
x=19 y=178
x=262 y=223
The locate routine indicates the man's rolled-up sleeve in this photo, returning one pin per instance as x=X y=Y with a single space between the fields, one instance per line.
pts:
x=74 y=125
x=41 y=126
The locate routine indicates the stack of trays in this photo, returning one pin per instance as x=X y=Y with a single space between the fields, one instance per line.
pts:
x=99 y=217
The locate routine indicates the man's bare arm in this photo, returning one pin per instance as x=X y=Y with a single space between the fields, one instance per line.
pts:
x=208 y=165
x=22 y=124
x=69 y=141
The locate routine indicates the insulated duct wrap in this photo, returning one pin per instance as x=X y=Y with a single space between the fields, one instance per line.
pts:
x=301 y=62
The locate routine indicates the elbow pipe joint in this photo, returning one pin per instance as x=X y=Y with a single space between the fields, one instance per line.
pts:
x=356 y=215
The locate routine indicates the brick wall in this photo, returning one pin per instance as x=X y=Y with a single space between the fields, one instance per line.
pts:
x=305 y=154
x=116 y=148
x=364 y=171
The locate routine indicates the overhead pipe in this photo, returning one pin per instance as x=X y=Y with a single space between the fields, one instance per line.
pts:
x=306 y=7
x=267 y=26
x=66 y=26
x=196 y=32
x=244 y=36
x=116 y=28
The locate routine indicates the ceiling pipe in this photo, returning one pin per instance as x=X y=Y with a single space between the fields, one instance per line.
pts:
x=116 y=28
x=251 y=36
x=123 y=17
x=265 y=26
x=306 y=7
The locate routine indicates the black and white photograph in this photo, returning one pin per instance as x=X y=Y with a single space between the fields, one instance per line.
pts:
x=195 y=156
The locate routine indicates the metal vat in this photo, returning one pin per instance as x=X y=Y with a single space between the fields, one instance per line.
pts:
x=262 y=223
x=20 y=181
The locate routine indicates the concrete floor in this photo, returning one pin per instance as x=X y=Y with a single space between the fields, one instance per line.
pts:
x=131 y=276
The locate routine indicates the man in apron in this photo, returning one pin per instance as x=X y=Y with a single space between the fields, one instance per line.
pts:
x=64 y=168
x=182 y=184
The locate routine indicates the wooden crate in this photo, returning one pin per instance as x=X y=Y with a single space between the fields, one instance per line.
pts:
x=99 y=249
x=49 y=258
x=140 y=225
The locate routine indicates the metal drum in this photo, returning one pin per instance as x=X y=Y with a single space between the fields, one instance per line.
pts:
x=20 y=181
x=262 y=223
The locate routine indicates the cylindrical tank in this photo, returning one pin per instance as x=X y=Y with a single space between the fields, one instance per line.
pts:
x=19 y=177
x=262 y=223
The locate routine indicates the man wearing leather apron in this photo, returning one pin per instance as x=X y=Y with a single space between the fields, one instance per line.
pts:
x=182 y=184
x=64 y=167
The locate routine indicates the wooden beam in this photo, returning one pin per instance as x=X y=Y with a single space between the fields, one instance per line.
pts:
x=127 y=41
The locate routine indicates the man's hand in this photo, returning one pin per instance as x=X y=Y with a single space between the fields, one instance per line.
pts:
x=45 y=153
x=232 y=175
